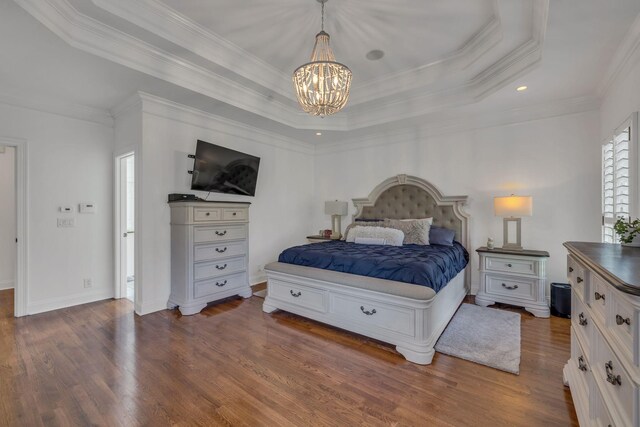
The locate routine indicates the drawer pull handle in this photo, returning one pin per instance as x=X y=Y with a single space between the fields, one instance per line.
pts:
x=613 y=379
x=509 y=287
x=582 y=320
x=208 y=213
x=621 y=320
x=221 y=233
x=570 y=269
x=295 y=294
x=579 y=280
x=235 y=213
x=220 y=251
x=368 y=313
x=509 y=265
x=221 y=267
x=599 y=296
x=581 y=365
x=221 y=284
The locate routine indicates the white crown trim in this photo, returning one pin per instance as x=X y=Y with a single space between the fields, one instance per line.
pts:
x=627 y=54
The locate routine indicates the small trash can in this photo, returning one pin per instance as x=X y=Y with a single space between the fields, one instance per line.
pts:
x=561 y=300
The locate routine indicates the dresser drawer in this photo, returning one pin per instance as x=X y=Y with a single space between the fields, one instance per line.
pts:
x=519 y=266
x=580 y=358
x=508 y=286
x=598 y=297
x=600 y=414
x=303 y=296
x=220 y=284
x=622 y=324
x=578 y=276
x=206 y=214
x=614 y=380
x=219 y=233
x=219 y=250
x=581 y=321
x=233 y=214
x=373 y=314
x=205 y=270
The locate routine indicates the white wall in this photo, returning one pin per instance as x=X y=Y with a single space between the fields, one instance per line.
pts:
x=280 y=213
x=7 y=218
x=70 y=161
x=554 y=160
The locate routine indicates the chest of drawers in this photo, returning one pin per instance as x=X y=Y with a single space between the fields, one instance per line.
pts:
x=604 y=370
x=209 y=253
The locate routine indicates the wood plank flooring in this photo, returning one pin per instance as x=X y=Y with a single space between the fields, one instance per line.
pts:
x=99 y=364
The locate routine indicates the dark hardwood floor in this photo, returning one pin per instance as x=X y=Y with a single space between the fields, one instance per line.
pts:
x=98 y=364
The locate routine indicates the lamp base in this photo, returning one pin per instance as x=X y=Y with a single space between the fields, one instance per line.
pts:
x=335 y=223
x=509 y=243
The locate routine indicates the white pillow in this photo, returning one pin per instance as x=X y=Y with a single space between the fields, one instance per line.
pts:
x=391 y=236
x=370 y=241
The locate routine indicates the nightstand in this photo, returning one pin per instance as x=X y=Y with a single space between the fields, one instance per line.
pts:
x=317 y=238
x=516 y=277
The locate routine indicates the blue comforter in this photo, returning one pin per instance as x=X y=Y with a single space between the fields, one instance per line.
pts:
x=433 y=266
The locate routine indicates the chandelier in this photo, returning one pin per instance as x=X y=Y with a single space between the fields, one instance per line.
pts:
x=322 y=85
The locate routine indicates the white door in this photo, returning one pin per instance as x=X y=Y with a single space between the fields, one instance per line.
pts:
x=126 y=223
x=7 y=230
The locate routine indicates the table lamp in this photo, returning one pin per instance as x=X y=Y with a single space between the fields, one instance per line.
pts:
x=337 y=210
x=512 y=208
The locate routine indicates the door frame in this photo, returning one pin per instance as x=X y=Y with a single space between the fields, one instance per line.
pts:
x=21 y=289
x=119 y=287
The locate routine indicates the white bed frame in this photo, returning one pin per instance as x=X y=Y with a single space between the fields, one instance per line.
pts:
x=413 y=325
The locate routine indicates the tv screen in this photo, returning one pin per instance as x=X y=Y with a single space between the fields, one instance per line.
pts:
x=223 y=170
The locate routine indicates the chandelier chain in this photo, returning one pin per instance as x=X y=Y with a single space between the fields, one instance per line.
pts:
x=322 y=26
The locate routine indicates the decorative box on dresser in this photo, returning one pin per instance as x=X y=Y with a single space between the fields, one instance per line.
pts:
x=517 y=277
x=209 y=253
x=603 y=372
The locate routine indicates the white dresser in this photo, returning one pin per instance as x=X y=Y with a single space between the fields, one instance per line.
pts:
x=209 y=253
x=604 y=370
x=516 y=277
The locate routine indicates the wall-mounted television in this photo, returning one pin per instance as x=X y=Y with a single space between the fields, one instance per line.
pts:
x=222 y=170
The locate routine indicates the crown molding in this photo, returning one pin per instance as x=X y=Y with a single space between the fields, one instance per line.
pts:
x=170 y=110
x=161 y=20
x=627 y=54
x=457 y=123
x=73 y=111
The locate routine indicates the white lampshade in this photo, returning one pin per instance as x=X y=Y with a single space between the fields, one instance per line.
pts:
x=513 y=206
x=335 y=208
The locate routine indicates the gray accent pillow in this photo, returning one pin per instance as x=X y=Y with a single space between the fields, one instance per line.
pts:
x=377 y=223
x=416 y=231
x=441 y=236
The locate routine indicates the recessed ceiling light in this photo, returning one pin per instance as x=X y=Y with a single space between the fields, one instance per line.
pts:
x=521 y=88
x=374 y=55
x=318 y=133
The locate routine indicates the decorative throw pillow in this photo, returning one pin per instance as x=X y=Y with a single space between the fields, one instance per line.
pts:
x=441 y=236
x=416 y=231
x=391 y=236
x=375 y=223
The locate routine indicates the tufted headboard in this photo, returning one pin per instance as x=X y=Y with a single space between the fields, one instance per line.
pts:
x=405 y=196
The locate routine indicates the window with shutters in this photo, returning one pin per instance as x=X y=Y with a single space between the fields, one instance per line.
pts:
x=619 y=178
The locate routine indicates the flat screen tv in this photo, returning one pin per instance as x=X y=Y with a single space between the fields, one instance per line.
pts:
x=222 y=170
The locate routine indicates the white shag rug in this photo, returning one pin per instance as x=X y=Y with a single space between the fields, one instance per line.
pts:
x=483 y=335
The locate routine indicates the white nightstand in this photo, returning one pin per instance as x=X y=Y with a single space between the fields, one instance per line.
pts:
x=516 y=277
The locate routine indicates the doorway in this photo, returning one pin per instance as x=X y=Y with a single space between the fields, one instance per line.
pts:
x=8 y=230
x=125 y=226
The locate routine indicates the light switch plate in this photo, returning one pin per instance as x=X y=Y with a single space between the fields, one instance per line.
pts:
x=87 y=208
x=65 y=209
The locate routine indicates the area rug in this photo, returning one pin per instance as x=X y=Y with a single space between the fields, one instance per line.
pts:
x=483 y=335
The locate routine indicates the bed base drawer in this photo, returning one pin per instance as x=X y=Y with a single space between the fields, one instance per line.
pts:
x=373 y=313
x=299 y=295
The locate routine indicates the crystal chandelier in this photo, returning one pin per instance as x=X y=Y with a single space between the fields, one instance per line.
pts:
x=322 y=85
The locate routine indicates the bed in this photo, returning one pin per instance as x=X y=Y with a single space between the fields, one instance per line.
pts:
x=409 y=311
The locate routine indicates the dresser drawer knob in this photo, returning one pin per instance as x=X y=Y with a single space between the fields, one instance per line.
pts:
x=613 y=379
x=581 y=365
x=570 y=269
x=622 y=321
x=221 y=233
x=235 y=213
x=504 y=285
x=208 y=213
x=599 y=296
x=368 y=313
x=295 y=294
x=221 y=267
x=582 y=320
x=509 y=265
x=220 y=251
x=579 y=280
x=221 y=284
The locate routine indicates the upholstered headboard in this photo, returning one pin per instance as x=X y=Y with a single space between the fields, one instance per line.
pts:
x=405 y=196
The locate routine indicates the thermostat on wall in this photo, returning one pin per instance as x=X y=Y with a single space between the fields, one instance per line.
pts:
x=87 y=208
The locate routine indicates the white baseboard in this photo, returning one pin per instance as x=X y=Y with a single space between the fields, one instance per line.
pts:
x=35 y=307
x=151 y=306
x=258 y=278
x=6 y=284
